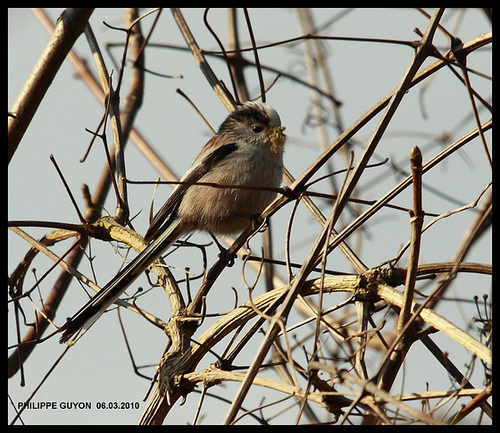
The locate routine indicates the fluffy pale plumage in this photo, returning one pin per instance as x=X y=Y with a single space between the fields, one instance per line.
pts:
x=243 y=159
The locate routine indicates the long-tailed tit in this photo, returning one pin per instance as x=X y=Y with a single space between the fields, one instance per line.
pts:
x=247 y=151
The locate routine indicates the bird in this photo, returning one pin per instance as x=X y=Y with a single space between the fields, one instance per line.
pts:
x=232 y=180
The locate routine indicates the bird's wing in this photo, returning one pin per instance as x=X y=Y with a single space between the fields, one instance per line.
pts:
x=166 y=213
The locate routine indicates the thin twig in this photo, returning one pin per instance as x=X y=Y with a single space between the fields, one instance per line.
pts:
x=395 y=359
x=200 y=59
x=112 y=96
x=416 y=229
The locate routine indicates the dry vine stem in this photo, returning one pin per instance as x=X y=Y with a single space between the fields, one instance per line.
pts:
x=176 y=371
x=371 y=284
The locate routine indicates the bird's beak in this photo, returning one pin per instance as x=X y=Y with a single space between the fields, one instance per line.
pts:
x=277 y=140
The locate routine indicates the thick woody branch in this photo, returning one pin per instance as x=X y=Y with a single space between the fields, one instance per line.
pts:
x=69 y=27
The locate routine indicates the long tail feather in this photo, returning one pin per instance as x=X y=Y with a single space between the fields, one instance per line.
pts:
x=75 y=327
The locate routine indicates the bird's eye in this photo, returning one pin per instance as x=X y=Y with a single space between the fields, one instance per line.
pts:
x=257 y=128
